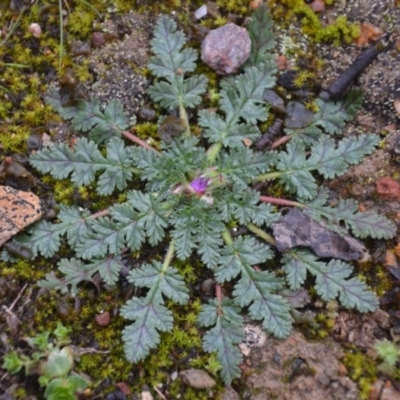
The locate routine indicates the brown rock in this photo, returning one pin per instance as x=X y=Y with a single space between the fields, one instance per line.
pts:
x=281 y=62
x=388 y=188
x=103 y=319
x=196 y=378
x=124 y=388
x=225 y=49
x=98 y=39
x=383 y=391
x=18 y=209
x=317 y=6
x=369 y=32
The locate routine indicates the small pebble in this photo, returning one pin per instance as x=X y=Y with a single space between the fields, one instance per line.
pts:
x=297 y=115
x=103 y=319
x=197 y=378
x=388 y=188
x=201 y=12
x=35 y=30
x=98 y=39
x=225 y=49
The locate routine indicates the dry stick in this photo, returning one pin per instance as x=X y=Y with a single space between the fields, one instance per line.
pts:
x=340 y=86
x=138 y=141
x=17 y=298
x=159 y=392
x=8 y=310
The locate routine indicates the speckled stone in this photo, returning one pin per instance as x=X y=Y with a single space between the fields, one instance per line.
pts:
x=225 y=49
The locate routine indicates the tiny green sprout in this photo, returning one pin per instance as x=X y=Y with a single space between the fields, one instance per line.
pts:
x=53 y=362
x=13 y=363
x=389 y=353
x=213 y=366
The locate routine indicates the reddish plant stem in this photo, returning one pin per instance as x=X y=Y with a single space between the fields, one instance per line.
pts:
x=280 y=141
x=218 y=292
x=101 y=213
x=278 y=201
x=138 y=141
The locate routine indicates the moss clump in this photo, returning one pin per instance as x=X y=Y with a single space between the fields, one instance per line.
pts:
x=362 y=369
x=291 y=10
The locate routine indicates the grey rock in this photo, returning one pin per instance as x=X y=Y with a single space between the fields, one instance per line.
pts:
x=297 y=115
x=197 y=379
x=297 y=229
x=274 y=100
x=225 y=49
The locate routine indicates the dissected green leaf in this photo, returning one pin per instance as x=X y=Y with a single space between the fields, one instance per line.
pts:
x=168 y=203
x=331 y=117
x=75 y=271
x=167 y=45
x=328 y=159
x=171 y=62
x=261 y=35
x=363 y=224
x=167 y=280
x=150 y=316
x=224 y=336
x=241 y=98
x=87 y=116
x=332 y=280
x=84 y=161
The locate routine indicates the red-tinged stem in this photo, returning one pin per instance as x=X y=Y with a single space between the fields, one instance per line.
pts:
x=219 y=296
x=218 y=292
x=279 y=201
x=101 y=213
x=138 y=141
x=280 y=141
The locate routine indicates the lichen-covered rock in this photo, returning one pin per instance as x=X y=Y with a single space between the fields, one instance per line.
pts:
x=18 y=209
x=225 y=49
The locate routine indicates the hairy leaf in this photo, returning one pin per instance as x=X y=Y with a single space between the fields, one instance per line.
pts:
x=330 y=118
x=75 y=271
x=241 y=97
x=199 y=218
x=244 y=207
x=224 y=336
x=362 y=223
x=261 y=35
x=171 y=62
x=87 y=116
x=167 y=280
x=332 y=280
x=150 y=316
x=84 y=161
x=328 y=160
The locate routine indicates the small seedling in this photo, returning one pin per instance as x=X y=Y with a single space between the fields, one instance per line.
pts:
x=388 y=353
x=53 y=361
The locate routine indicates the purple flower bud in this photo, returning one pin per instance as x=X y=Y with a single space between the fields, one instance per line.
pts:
x=199 y=185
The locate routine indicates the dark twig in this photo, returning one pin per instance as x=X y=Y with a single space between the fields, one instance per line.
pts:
x=340 y=86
